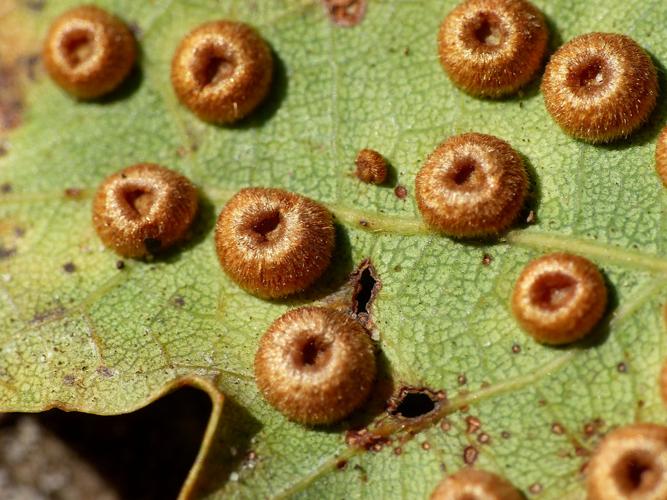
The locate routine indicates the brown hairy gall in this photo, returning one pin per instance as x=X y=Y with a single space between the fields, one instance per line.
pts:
x=600 y=87
x=630 y=463
x=661 y=156
x=222 y=70
x=492 y=47
x=471 y=484
x=315 y=365
x=274 y=243
x=88 y=52
x=371 y=167
x=144 y=209
x=559 y=298
x=471 y=185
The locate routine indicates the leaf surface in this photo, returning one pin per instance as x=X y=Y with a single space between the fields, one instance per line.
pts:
x=107 y=341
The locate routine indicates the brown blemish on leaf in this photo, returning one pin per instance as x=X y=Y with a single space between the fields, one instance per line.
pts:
x=48 y=314
x=401 y=192
x=346 y=13
x=74 y=193
x=487 y=259
x=69 y=267
x=535 y=488
x=557 y=428
x=484 y=438
x=120 y=264
x=470 y=455
x=516 y=349
x=178 y=301
x=473 y=424
x=622 y=367
x=105 y=371
x=17 y=48
x=6 y=252
x=5 y=188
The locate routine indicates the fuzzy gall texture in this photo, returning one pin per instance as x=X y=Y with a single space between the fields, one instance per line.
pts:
x=630 y=464
x=144 y=209
x=274 y=243
x=88 y=52
x=492 y=48
x=315 y=365
x=559 y=298
x=661 y=156
x=471 y=185
x=371 y=167
x=600 y=87
x=222 y=70
x=471 y=484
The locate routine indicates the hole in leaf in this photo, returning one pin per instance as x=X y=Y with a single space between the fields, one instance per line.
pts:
x=365 y=288
x=413 y=404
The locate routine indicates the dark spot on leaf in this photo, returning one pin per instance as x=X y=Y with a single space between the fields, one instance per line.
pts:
x=505 y=435
x=557 y=428
x=362 y=473
x=73 y=193
x=6 y=252
x=487 y=259
x=622 y=368
x=11 y=98
x=19 y=232
x=48 y=314
x=398 y=450
x=445 y=425
x=178 y=301
x=69 y=380
x=401 y=192
x=473 y=424
x=426 y=446
x=69 y=267
x=470 y=455
x=535 y=488
x=105 y=371
x=363 y=223
x=346 y=13
x=5 y=188
x=413 y=403
x=120 y=264
x=531 y=217
x=484 y=438
x=406 y=51
x=36 y=5
x=462 y=379
x=516 y=348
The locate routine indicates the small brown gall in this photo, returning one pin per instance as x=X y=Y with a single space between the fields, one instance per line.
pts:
x=222 y=70
x=471 y=185
x=274 y=243
x=492 y=48
x=88 y=52
x=371 y=167
x=630 y=463
x=315 y=365
x=600 y=87
x=661 y=156
x=472 y=484
x=559 y=298
x=144 y=209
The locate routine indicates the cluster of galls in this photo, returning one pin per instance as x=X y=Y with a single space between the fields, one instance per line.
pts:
x=317 y=365
x=598 y=87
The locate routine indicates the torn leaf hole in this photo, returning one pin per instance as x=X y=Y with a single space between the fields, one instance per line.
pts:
x=366 y=287
x=413 y=403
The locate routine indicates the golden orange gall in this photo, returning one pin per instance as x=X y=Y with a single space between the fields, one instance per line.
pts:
x=600 y=87
x=274 y=243
x=492 y=47
x=222 y=70
x=661 y=156
x=559 y=298
x=315 y=365
x=630 y=463
x=471 y=185
x=144 y=209
x=89 y=52
x=475 y=485
x=371 y=167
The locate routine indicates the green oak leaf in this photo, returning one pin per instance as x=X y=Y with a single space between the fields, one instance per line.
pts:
x=107 y=341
